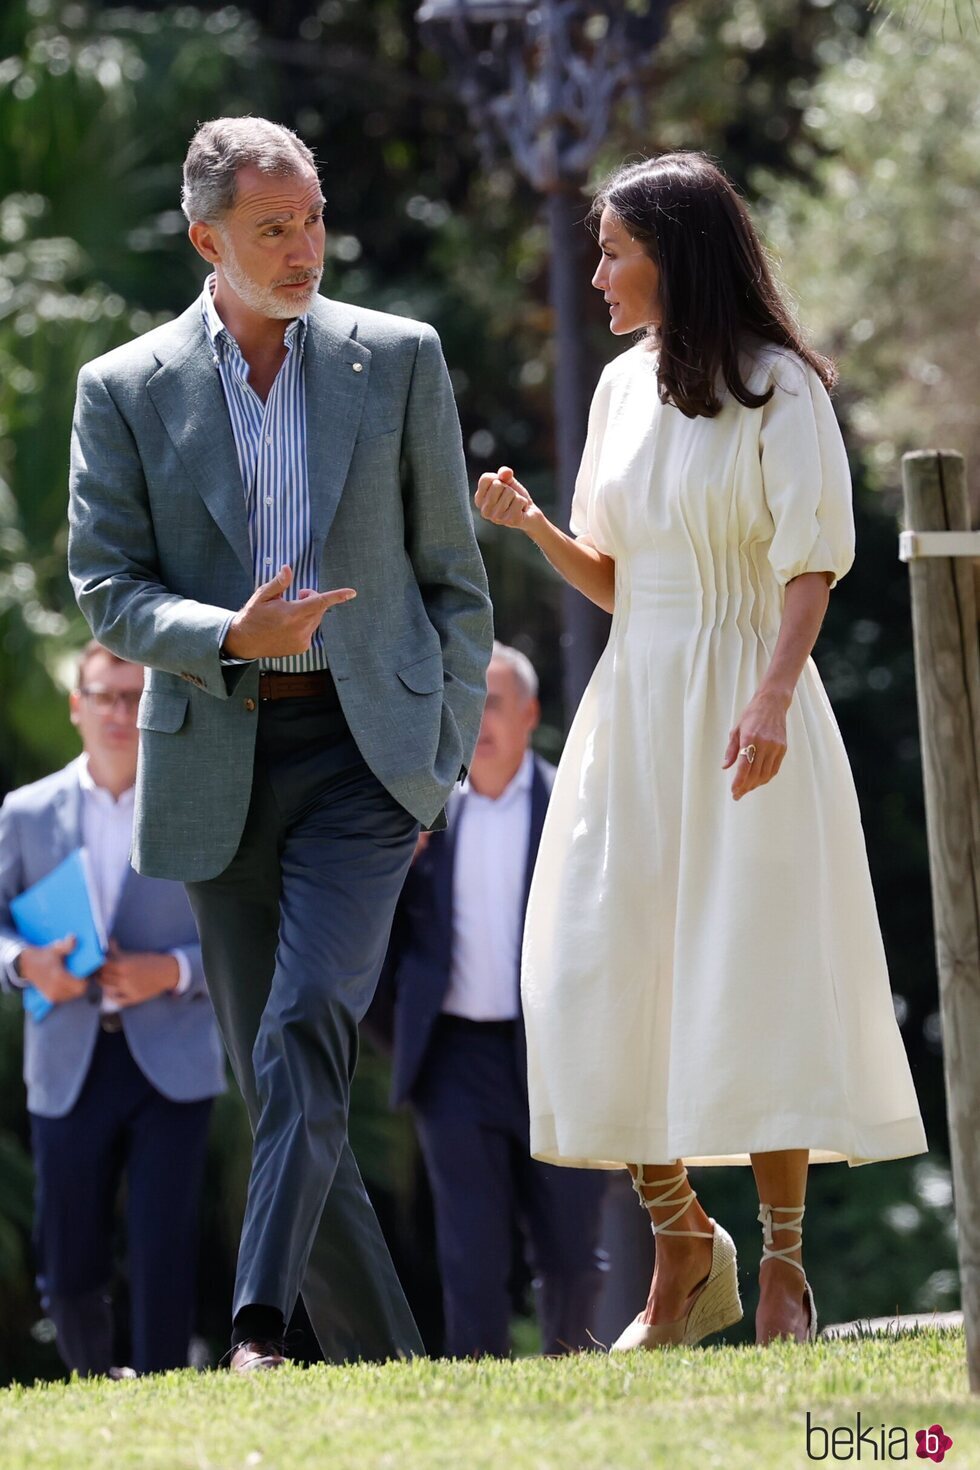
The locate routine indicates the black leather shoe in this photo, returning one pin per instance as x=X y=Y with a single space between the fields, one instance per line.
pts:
x=256 y=1357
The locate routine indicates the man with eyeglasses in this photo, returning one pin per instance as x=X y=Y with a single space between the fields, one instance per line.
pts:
x=122 y=1070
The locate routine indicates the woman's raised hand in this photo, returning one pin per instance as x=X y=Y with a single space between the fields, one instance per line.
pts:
x=502 y=499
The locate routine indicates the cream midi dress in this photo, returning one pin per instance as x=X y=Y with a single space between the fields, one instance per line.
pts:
x=704 y=978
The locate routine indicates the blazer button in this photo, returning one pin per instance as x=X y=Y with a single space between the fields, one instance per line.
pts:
x=358 y=367
x=250 y=705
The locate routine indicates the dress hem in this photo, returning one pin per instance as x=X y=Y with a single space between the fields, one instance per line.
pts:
x=829 y=1141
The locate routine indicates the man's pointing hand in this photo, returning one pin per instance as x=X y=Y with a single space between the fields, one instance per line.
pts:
x=269 y=626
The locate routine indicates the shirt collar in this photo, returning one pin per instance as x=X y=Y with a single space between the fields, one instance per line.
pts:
x=519 y=783
x=218 y=334
x=88 y=785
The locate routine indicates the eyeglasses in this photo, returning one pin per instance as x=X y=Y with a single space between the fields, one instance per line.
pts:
x=105 y=700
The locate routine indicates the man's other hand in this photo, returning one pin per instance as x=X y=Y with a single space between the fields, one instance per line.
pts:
x=130 y=977
x=43 y=966
x=270 y=627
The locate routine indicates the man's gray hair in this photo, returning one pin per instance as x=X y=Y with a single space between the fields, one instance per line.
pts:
x=520 y=666
x=220 y=148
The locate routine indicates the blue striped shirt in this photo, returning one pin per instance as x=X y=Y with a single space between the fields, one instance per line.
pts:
x=270 y=441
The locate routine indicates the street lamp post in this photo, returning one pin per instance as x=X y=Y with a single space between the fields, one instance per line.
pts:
x=542 y=77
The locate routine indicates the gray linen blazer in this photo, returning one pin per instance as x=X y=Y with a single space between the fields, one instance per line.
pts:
x=173 y=1038
x=159 y=556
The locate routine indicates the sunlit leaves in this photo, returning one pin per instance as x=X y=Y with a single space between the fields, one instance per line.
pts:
x=882 y=249
x=95 y=107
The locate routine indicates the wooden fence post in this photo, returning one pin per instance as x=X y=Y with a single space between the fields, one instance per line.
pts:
x=947 y=672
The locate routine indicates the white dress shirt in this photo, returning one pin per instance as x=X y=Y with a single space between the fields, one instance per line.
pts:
x=270 y=441
x=488 y=897
x=107 y=836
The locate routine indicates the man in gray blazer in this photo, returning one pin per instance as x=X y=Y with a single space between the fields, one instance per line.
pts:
x=226 y=469
x=121 y=1072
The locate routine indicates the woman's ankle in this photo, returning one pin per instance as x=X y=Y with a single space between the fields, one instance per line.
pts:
x=786 y=1273
x=693 y=1223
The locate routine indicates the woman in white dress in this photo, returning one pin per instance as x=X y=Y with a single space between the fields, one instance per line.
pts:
x=703 y=974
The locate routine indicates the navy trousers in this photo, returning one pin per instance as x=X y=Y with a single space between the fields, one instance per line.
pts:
x=120 y=1125
x=293 y=934
x=471 y=1117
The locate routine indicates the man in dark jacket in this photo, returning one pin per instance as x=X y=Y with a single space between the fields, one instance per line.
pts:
x=452 y=986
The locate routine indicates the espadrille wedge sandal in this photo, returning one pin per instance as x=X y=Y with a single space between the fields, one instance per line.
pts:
x=795 y=1225
x=717 y=1304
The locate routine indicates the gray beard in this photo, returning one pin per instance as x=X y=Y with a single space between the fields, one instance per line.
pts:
x=263 y=299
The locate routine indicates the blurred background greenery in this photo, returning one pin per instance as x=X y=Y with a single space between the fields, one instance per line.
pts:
x=856 y=138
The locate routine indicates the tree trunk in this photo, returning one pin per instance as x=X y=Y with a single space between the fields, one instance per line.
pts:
x=585 y=627
x=947 y=669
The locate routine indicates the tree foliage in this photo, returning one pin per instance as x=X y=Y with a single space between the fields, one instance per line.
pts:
x=882 y=244
x=92 y=112
x=859 y=144
x=93 y=109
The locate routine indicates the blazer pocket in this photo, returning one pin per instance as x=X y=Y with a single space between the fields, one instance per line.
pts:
x=370 y=434
x=425 y=676
x=162 y=711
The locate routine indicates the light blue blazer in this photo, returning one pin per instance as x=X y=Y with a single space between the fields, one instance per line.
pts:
x=159 y=557
x=173 y=1038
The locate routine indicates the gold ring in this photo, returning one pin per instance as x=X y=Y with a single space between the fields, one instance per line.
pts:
x=749 y=752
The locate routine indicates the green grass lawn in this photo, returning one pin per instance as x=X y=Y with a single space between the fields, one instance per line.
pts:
x=683 y=1410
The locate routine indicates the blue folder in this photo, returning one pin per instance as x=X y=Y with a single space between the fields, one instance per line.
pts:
x=59 y=904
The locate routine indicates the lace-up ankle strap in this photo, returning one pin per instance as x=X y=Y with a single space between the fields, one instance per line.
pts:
x=668 y=1197
x=785 y=1253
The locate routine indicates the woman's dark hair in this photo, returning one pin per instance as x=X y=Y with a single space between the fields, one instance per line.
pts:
x=717 y=290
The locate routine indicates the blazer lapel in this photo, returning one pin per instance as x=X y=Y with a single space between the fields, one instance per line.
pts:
x=539 y=805
x=67 y=825
x=187 y=393
x=336 y=369
x=130 y=902
x=445 y=875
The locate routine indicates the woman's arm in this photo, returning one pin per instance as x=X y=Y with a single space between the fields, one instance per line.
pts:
x=503 y=500
x=763 y=722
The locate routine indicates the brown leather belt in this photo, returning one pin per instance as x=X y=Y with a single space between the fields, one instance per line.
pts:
x=296 y=686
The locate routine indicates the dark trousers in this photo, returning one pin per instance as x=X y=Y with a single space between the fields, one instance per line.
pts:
x=293 y=933
x=472 y=1121
x=119 y=1125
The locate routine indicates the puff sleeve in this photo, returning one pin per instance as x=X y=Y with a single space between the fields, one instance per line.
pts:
x=583 y=518
x=805 y=476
